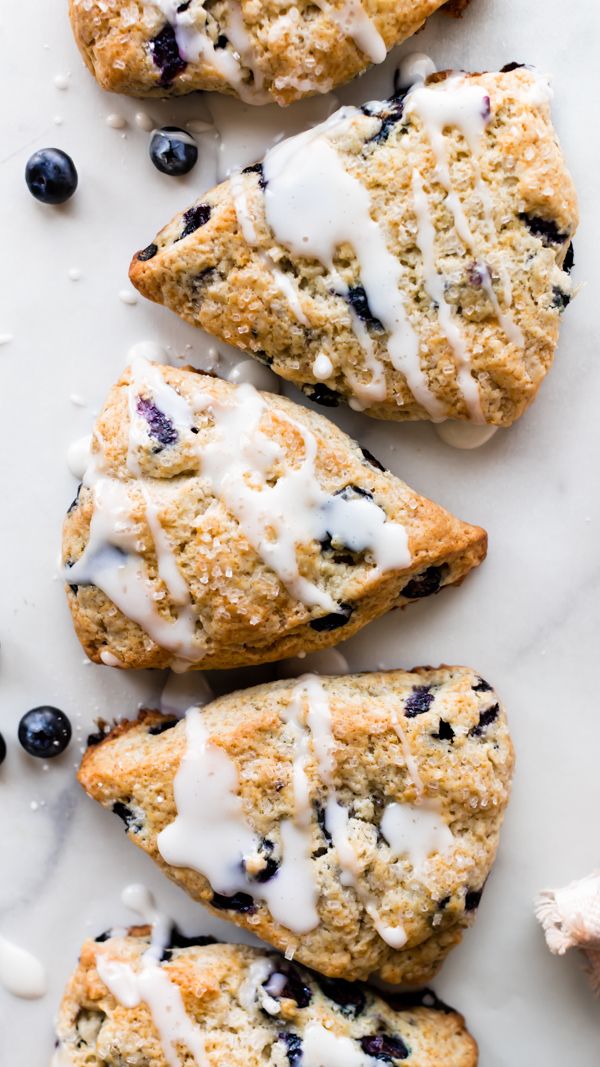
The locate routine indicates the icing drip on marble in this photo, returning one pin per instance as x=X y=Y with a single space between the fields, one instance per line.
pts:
x=21 y=973
x=313 y=206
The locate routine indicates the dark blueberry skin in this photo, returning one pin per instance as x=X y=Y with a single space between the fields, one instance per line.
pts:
x=2 y=749
x=445 y=732
x=126 y=815
x=506 y=69
x=358 y=300
x=257 y=168
x=173 y=151
x=425 y=584
x=419 y=701
x=161 y=727
x=195 y=218
x=103 y=937
x=486 y=718
x=473 y=898
x=323 y=824
x=391 y=116
x=385 y=1047
x=419 y=998
x=147 y=253
x=370 y=458
x=334 y=620
x=179 y=940
x=44 y=732
x=545 y=229
x=293 y=1044
x=569 y=260
x=294 y=989
x=321 y=394
x=165 y=54
x=51 y=176
x=74 y=502
x=99 y=736
x=241 y=902
x=349 y=996
x=560 y=299
x=271 y=865
x=482 y=686
x=159 y=424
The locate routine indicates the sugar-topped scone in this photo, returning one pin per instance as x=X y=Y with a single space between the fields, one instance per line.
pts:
x=351 y=821
x=215 y=1005
x=218 y=526
x=410 y=257
x=259 y=50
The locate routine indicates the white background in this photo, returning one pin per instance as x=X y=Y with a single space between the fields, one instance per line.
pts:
x=528 y=620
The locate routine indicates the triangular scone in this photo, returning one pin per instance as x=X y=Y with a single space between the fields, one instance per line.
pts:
x=409 y=257
x=218 y=526
x=349 y=821
x=217 y=1005
x=258 y=51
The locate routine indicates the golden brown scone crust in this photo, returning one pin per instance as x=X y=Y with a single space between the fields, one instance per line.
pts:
x=245 y=615
x=295 y=49
x=214 y=279
x=452 y=726
x=94 y=1030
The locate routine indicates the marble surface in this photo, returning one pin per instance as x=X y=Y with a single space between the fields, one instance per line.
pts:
x=528 y=620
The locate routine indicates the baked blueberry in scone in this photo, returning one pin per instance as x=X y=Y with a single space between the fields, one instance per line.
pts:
x=259 y=50
x=218 y=526
x=409 y=257
x=349 y=822
x=238 y=1006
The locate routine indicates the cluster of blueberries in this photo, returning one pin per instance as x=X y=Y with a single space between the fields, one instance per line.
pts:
x=52 y=178
x=44 y=732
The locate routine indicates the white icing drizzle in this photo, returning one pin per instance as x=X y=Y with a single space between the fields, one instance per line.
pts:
x=416 y=831
x=210 y=835
x=195 y=46
x=78 y=455
x=236 y=461
x=434 y=285
x=282 y=282
x=354 y=21
x=322 y=367
x=464 y=435
x=253 y=989
x=313 y=206
x=21 y=973
x=415 y=67
x=464 y=105
x=322 y=1048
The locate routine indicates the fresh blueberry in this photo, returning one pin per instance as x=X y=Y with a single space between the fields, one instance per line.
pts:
x=173 y=151
x=385 y=1047
x=359 y=301
x=349 y=996
x=293 y=1044
x=419 y=701
x=424 y=584
x=486 y=718
x=445 y=732
x=473 y=898
x=51 y=176
x=321 y=394
x=334 y=620
x=241 y=902
x=159 y=424
x=166 y=55
x=293 y=988
x=194 y=218
x=2 y=749
x=147 y=253
x=371 y=459
x=44 y=732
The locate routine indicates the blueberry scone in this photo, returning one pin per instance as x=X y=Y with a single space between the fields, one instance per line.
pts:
x=410 y=257
x=211 y=1005
x=350 y=822
x=258 y=50
x=218 y=526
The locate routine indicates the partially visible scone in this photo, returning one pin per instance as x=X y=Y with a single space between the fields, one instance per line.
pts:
x=218 y=527
x=351 y=822
x=259 y=50
x=410 y=257
x=236 y=1006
